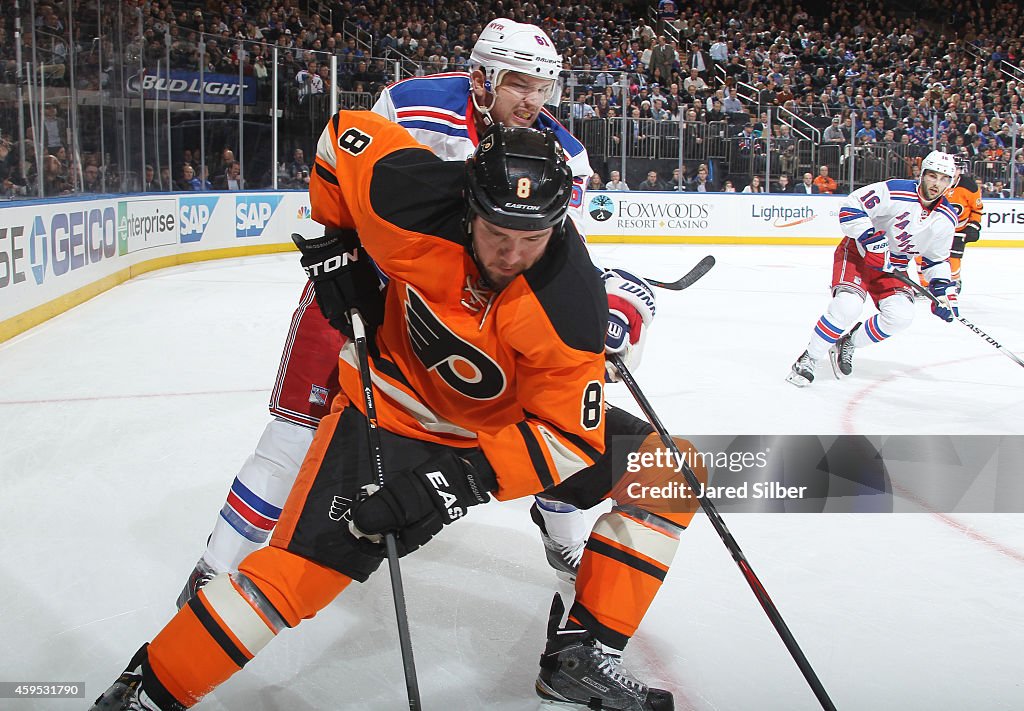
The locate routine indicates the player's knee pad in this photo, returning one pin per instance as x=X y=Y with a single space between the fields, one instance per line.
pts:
x=895 y=313
x=269 y=473
x=282 y=447
x=845 y=307
x=219 y=630
x=286 y=588
x=653 y=481
x=641 y=531
x=242 y=611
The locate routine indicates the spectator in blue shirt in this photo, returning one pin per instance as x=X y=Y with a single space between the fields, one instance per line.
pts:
x=188 y=179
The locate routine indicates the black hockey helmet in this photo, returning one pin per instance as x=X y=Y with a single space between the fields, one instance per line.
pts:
x=963 y=166
x=518 y=178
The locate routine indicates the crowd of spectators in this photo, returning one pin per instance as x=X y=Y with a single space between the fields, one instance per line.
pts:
x=858 y=74
x=863 y=75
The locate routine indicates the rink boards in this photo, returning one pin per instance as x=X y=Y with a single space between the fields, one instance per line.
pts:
x=58 y=253
x=741 y=218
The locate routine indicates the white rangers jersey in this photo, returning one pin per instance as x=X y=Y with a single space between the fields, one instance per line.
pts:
x=438 y=111
x=894 y=207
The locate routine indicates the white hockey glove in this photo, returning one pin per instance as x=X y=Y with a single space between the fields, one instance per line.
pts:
x=874 y=247
x=631 y=307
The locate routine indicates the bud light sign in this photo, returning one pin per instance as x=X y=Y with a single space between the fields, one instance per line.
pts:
x=186 y=86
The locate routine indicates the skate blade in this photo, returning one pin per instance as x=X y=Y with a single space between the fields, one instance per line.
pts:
x=833 y=358
x=797 y=380
x=552 y=704
x=549 y=698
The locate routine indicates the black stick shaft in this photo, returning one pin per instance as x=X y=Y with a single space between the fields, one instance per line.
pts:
x=377 y=460
x=727 y=538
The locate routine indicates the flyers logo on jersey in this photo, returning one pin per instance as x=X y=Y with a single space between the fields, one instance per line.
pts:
x=464 y=367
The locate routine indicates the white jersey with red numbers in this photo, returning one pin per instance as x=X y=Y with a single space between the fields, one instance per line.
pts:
x=911 y=229
x=438 y=111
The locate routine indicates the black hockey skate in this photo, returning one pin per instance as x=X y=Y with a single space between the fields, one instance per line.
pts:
x=564 y=559
x=201 y=575
x=578 y=672
x=841 y=354
x=802 y=372
x=127 y=693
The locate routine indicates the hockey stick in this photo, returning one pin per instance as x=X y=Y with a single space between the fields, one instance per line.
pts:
x=377 y=461
x=727 y=538
x=905 y=278
x=700 y=269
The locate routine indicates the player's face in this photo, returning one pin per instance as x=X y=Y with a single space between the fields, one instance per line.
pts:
x=519 y=99
x=933 y=185
x=504 y=254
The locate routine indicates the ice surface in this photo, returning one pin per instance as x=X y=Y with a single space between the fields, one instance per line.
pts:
x=125 y=419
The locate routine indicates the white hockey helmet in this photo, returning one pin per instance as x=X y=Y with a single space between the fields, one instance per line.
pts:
x=509 y=46
x=942 y=163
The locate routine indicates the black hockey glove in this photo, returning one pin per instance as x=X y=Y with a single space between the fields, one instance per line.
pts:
x=972 y=232
x=343 y=278
x=416 y=503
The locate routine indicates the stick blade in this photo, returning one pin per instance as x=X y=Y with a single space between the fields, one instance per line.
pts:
x=700 y=269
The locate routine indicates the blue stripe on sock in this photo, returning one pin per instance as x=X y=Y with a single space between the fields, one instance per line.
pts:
x=254 y=501
x=824 y=336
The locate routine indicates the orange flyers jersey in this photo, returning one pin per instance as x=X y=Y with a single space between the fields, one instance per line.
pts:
x=519 y=372
x=965 y=199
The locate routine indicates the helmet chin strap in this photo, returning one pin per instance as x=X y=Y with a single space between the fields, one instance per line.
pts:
x=472 y=251
x=484 y=112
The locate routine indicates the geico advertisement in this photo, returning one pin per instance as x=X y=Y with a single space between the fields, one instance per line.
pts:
x=49 y=250
x=38 y=248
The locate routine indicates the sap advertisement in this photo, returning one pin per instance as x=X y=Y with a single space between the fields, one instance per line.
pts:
x=50 y=250
x=744 y=218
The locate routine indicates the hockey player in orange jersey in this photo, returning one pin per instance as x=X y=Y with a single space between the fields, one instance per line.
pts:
x=488 y=371
x=965 y=199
